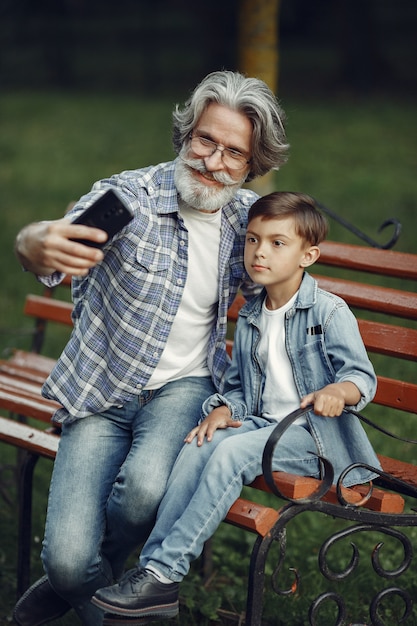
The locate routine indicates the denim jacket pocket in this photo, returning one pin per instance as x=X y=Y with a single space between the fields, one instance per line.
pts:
x=315 y=365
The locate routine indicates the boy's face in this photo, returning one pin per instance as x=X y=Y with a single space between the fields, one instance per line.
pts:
x=275 y=256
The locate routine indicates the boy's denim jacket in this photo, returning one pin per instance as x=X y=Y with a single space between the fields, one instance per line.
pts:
x=324 y=346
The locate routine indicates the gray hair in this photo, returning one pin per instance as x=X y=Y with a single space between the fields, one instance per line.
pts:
x=250 y=96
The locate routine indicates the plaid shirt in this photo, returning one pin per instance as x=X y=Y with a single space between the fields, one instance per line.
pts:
x=124 y=309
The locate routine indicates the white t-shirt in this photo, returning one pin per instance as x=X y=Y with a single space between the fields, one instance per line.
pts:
x=280 y=395
x=185 y=353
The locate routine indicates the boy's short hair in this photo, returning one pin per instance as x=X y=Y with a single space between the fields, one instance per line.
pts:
x=310 y=223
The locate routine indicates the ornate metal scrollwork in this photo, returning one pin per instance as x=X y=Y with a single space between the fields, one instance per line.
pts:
x=280 y=428
x=376 y=564
x=386 y=593
x=392 y=221
x=365 y=520
x=317 y=604
x=327 y=468
x=315 y=620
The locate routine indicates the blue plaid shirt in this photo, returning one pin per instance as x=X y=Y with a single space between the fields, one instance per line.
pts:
x=124 y=308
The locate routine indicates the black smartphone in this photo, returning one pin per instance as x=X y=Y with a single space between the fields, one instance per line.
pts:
x=108 y=213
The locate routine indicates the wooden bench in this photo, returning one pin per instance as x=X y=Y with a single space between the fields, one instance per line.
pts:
x=387 y=319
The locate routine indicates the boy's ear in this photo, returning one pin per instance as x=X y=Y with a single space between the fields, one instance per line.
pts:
x=310 y=256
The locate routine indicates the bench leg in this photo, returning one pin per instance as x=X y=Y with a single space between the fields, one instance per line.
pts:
x=254 y=602
x=25 y=522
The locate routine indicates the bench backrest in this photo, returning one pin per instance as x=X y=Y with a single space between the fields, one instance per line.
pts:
x=388 y=335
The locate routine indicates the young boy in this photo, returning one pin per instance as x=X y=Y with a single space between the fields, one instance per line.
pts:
x=295 y=345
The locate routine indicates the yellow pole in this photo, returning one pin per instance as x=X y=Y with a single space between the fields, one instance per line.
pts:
x=258 y=55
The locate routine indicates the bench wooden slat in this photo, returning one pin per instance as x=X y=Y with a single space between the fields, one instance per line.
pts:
x=295 y=487
x=254 y=517
x=396 y=394
x=399 y=469
x=396 y=341
x=365 y=259
x=31 y=360
x=23 y=373
x=19 y=386
x=28 y=438
x=32 y=406
x=372 y=298
x=27 y=366
x=48 y=309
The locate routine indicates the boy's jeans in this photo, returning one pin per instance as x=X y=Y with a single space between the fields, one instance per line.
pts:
x=109 y=476
x=207 y=480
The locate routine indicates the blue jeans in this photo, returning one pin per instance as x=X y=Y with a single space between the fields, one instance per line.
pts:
x=205 y=482
x=109 y=476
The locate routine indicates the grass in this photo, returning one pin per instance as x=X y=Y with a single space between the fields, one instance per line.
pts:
x=357 y=156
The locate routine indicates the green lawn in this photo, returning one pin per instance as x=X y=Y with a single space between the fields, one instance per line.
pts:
x=356 y=156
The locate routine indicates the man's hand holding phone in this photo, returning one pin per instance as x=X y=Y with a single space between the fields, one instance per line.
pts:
x=47 y=247
x=70 y=247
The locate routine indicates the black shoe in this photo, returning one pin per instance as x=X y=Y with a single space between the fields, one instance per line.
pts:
x=139 y=594
x=39 y=605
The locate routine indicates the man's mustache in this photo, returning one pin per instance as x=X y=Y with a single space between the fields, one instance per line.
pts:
x=219 y=177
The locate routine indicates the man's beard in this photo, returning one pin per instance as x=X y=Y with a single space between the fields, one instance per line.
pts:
x=198 y=195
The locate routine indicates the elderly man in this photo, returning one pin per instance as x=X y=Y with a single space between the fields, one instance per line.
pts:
x=148 y=345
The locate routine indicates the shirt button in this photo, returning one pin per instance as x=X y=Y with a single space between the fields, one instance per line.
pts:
x=182 y=243
x=156 y=355
x=151 y=190
x=179 y=281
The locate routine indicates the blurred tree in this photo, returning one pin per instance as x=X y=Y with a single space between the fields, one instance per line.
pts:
x=258 y=54
x=258 y=39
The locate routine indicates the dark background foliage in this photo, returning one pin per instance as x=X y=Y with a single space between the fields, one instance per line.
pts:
x=161 y=46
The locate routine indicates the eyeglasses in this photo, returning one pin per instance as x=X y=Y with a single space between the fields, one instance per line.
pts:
x=232 y=159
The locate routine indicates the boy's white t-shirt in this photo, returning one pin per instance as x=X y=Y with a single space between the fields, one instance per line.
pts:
x=185 y=353
x=280 y=395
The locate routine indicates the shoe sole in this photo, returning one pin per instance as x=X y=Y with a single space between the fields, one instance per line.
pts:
x=160 y=610
x=118 y=620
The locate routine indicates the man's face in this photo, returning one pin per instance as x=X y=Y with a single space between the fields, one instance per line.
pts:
x=207 y=183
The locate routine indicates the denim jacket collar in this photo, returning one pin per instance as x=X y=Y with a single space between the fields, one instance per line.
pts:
x=307 y=297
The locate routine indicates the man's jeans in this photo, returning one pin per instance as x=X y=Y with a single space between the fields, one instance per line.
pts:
x=109 y=476
x=207 y=480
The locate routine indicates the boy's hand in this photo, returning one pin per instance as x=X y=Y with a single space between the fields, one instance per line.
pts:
x=220 y=417
x=331 y=400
